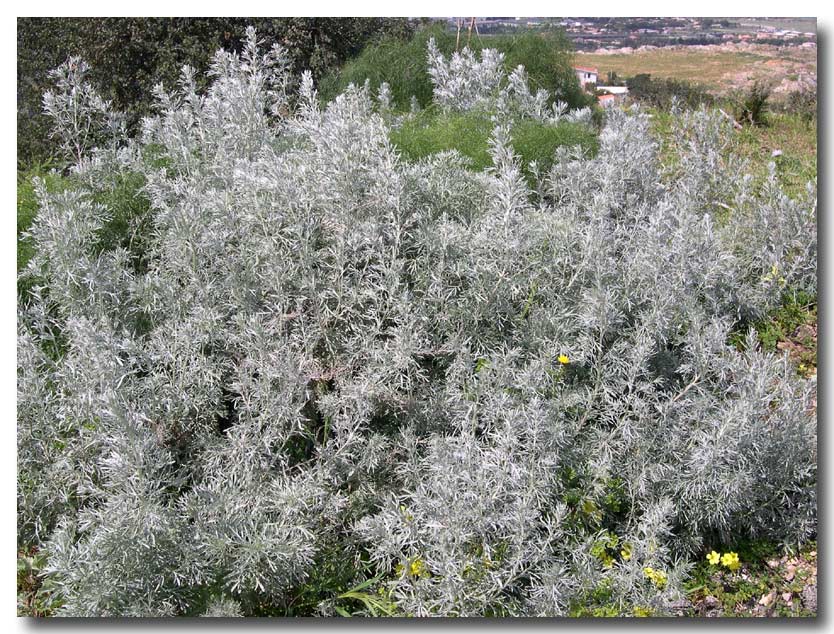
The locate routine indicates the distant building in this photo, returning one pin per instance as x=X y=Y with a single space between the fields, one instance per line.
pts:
x=586 y=75
x=609 y=95
x=614 y=90
x=606 y=101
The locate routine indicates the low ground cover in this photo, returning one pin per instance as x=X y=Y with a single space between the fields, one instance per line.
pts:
x=469 y=133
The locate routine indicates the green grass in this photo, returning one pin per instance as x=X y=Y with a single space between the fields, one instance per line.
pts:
x=128 y=205
x=27 y=205
x=789 y=133
x=430 y=133
x=129 y=223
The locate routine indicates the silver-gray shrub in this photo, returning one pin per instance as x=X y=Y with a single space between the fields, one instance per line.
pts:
x=82 y=119
x=332 y=353
x=464 y=83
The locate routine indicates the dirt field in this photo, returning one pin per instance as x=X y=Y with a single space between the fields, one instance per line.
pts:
x=720 y=67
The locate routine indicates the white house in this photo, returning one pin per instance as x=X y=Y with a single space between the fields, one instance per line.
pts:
x=611 y=95
x=614 y=90
x=586 y=75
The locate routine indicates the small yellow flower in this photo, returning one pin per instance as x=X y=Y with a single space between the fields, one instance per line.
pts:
x=417 y=568
x=564 y=359
x=625 y=553
x=730 y=560
x=660 y=579
x=713 y=558
x=657 y=577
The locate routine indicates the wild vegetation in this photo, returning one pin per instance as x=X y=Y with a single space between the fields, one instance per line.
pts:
x=662 y=93
x=547 y=59
x=285 y=355
x=469 y=134
x=128 y=56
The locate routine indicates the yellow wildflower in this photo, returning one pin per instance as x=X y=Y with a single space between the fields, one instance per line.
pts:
x=417 y=568
x=713 y=558
x=730 y=560
x=657 y=577
x=564 y=359
x=660 y=579
x=625 y=553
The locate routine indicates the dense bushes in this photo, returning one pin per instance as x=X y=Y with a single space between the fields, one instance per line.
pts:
x=803 y=101
x=403 y=65
x=346 y=383
x=661 y=92
x=752 y=104
x=129 y=56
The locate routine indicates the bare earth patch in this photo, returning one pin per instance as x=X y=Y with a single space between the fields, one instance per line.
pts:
x=720 y=67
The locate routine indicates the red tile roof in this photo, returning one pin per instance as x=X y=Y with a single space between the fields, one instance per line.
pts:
x=586 y=69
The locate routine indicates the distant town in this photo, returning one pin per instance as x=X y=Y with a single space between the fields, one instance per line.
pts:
x=588 y=34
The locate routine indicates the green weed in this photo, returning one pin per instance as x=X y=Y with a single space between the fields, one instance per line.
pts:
x=429 y=133
x=784 y=325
